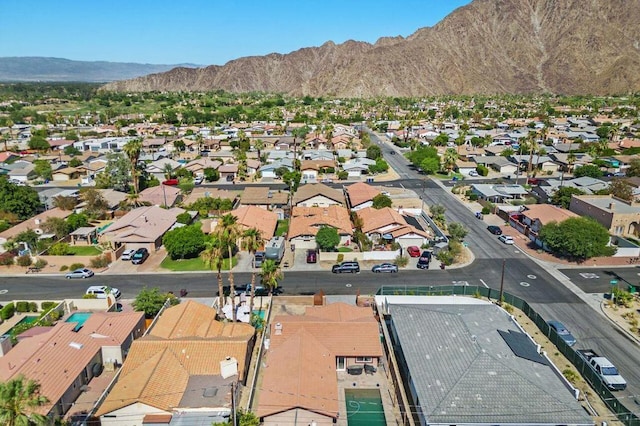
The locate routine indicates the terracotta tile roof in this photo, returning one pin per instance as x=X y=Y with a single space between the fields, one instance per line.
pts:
x=144 y=224
x=191 y=319
x=255 y=217
x=316 y=164
x=35 y=222
x=301 y=362
x=546 y=213
x=374 y=219
x=186 y=341
x=156 y=195
x=117 y=326
x=204 y=192
x=308 y=220
x=310 y=190
x=359 y=193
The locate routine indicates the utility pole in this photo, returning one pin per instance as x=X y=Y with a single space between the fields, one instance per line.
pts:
x=504 y=261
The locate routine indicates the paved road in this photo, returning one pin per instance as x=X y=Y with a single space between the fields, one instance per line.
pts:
x=598 y=280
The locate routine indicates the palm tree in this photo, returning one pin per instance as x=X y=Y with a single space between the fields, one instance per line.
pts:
x=18 y=399
x=132 y=150
x=259 y=146
x=229 y=234
x=571 y=159
x=212 y=257
x=271 y=274
x=252 y=241
x=449 y=159
x=532 y=144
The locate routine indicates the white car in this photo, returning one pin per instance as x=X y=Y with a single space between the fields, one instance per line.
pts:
x=127 y=254
x=101 y=291
x=506 y=239
x=473 y=173
x=386 y=193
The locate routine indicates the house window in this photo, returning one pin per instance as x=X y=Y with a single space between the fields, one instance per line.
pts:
x=364 y=359
x=340 y=363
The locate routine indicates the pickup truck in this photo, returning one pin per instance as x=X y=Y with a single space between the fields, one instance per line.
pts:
x=604 y=368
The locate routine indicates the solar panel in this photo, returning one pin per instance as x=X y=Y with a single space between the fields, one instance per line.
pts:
x=522 y=346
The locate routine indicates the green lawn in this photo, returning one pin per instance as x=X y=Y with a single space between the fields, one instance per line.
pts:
x=282 y=228
x=344 y=250
x=84 y=251
x=195 y=264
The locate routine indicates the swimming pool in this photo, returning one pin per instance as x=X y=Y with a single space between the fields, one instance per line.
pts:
x=364 y=407
x=25 y=320
x=80 y=318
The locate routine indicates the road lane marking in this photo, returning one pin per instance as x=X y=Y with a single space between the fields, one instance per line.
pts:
x=4 y=291
x=347 y=285
x=524 y=284
x=531 y=277
x=483 y=283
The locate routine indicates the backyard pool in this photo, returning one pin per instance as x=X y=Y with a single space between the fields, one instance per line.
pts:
x=25 y=320
x=364 y=407
x=80 y=318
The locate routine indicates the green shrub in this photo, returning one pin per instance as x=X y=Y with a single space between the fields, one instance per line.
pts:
x=473 y=197
x=90 y=296
x=24 y=260
x=401 y=261
x=482 y=170
x=45 y=306
x=486 y=210
x=75 y=266
x=340 y=258
x=342 y=175
x=63 y=268
x=22 y=306
x=33 y=307
x=8 y=311
x=55 y=315
x=59 y=249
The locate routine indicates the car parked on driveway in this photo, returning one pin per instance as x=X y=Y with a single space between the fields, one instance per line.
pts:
x=353 y=267
x=312 y=256
x=171 y=182
x=562 y=332
x=80 y=273
x=423 y=263
x=140 y=256
x=385 y=267
x=506 y=239
x=127 y=254
x=414 y=251
x=495 y=230
x=426 y=256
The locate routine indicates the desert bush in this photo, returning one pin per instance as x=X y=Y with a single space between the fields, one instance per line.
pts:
x=75 y=266
x=90 y=296
x=40 y=263
x=63 y=268
x=401 y=261
x=486 y=210
x=45 y=306
x=24 y=260
x=340 y=258
x=101 y=261
x=33 y=307
x=6 y=259
x=59 y=249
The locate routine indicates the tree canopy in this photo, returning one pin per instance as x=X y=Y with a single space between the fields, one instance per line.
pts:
x=184 y=242
x=150 y=301
x=577 y=238
x=381 y=201
x=327 y=238
x=562 y=196
x=19 y=397
x=23 y=201
x=590 y=170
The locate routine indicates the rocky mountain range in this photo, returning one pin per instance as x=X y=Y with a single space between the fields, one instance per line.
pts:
x=36 y=68
x=488 y=46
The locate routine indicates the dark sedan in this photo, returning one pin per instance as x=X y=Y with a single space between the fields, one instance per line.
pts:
x=495 y=230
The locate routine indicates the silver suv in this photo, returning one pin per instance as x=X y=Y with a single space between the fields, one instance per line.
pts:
x=352 y=267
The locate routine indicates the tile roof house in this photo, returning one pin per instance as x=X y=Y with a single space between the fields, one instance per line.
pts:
x=537 y=215
x=199 y=165
x=618 y=216
x=467 y=361
x=360 y=195
x=206 y=192
x=264 y=197
x=307 y=221
x=66 y=357
x=141 y=227
x=305 y=356
x=498 y=193
x=255 y=217
x=184 y=365
x=387 y=224
x=158 y=168
x=317 y=195
x=35 y=223
x=161 y=195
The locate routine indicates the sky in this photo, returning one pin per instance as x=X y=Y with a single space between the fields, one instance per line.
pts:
x=203 y=32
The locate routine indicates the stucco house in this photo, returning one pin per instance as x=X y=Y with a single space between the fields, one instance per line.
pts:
x=307 y=221
x=317 y=195
x=620 y=217
x=360 y=195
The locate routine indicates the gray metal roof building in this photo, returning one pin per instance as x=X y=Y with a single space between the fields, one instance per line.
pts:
x=467 y=362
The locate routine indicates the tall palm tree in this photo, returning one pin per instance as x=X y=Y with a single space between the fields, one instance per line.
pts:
x=132 y=150
x=229 y=234
x=571 y=159
x=252 y=241
x=532 y=144
x=212 y=257
x=259 y=146
x=271 y=274
x=449 y=159
x=18 y=398
x=168 y=171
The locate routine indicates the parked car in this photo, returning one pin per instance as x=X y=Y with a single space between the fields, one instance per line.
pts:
x=385 y=267
x=258 y=258
x=352 y=267
x=414 y=251
x=140 y=256
x=426 y=256
x=127 y=254
x=423 y=263
x=473 y=173
x=506 y=239
x=171 y=182
x=261 y=291
x=229 y=178
x=80 y=273
x=495 y=230
x=312 y=256
x=562 y=332
x=327 y=180
x=101 y=291
x=198 y=180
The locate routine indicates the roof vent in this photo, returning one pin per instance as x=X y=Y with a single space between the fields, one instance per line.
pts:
x=76 y=345
x=278 y=328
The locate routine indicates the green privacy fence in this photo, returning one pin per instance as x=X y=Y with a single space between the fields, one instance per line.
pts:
x=622 y=413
